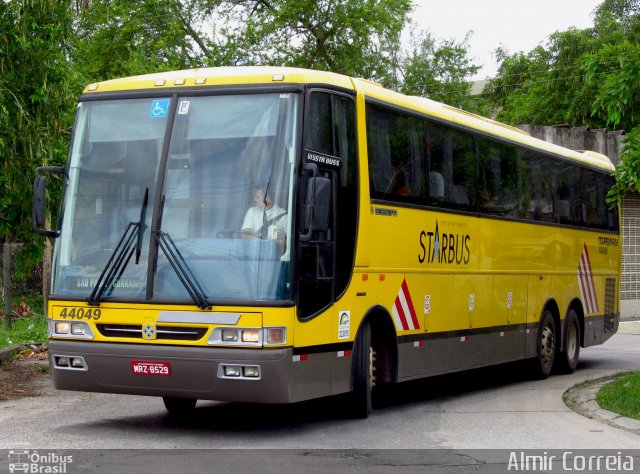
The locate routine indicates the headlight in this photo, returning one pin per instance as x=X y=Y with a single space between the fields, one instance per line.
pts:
x=251 y=335
x=229 y=335
x=234 y=336
x=62 y=328
x=75 y=329
x=79 y=329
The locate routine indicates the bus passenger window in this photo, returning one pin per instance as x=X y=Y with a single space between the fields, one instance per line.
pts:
x=594 y=213
x=498 y=187
x=396 y=155
x=566 y=193
x=452 y=168
x=612 y=214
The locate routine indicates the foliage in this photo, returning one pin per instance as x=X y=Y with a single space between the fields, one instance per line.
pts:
x=28 y=330
x=343 y=36
x=627 y=173
x=622 y=396
x=352 y=37
x=120 y=37
x=615 y=73
x=587 y=77
x=50 y=48
x=35 y=109
x=584 y=77
x=546 y=85
x=437 y=69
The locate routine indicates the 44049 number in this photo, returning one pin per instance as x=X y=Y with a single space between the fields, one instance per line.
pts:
x=81 y=313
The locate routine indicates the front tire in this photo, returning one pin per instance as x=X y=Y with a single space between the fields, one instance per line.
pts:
x=179 y=406
x=362 y=373
x=546 y=347
x=567 y=361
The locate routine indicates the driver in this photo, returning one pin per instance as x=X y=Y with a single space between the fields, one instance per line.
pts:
x=265 y=220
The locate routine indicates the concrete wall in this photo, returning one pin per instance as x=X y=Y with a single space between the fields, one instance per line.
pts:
x=580 y=138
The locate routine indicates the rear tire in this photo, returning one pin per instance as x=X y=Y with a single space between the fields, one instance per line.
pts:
x=567 y=361
x=179 y=406
x=362 y=373
x=546 y=347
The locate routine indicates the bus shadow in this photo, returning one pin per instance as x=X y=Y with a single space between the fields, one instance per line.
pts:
x=229 y=417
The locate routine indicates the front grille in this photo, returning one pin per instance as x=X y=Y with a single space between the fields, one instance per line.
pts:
x=175 y=333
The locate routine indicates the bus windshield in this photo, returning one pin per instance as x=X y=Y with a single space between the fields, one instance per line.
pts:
x=215 y=213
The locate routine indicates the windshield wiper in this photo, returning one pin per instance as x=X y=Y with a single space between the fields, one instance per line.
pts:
x=120 y=256
x=179 y=265
x=141 y=225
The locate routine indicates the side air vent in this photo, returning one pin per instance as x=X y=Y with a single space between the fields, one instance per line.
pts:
x=609 y=305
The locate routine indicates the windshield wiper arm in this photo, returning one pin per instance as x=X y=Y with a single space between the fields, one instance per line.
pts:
x=141 y=227
x=120 y=256
x=180 y=266
x=117 y=263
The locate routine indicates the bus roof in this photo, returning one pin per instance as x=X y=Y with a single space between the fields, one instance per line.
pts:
x=240 y=75
x=237 y=75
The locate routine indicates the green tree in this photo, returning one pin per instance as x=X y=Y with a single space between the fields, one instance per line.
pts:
x=36 y=90
x=576 y=76
x=121 y=37
x=587 y=77
x=353 y=37
x=547 y=84
x=627 y=172
x=437 y=69
x=118 y=38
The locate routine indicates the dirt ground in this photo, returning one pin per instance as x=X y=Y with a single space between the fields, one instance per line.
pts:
x=25 y=376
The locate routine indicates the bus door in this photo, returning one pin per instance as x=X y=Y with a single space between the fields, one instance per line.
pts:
x=328 y=200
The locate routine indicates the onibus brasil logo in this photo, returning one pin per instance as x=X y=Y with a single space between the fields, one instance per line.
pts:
x=34 y=462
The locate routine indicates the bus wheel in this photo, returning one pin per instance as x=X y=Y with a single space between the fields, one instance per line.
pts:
x=546 y=346
x=179 y=406
x=568 y=360
x=363 y=375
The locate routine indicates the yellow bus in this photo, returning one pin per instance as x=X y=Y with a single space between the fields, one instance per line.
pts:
x=275 y=235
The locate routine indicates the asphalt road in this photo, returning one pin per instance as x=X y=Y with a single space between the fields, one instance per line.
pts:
x=494 y=408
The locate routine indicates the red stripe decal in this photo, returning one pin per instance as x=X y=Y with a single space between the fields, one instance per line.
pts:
x=403 y=318
x=407 y=295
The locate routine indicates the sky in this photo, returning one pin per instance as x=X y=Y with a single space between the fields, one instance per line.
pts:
x=516 y=25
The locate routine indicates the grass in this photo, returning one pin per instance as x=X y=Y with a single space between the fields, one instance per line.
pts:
x=622 y=396
x=29 y=324
x=35 y=303
x=30 y=329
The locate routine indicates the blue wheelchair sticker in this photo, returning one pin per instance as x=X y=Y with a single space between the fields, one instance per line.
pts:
x=159 y=108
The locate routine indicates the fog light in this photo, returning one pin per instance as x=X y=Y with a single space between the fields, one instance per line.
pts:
x=62 y=328
x=276 y=335
x=231 y=371
x=62 y=361
x=229 y=335
x=250 y=335
x=77 y=362
x=251 y=372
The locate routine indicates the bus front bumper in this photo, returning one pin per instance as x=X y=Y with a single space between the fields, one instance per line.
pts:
x=173 y=371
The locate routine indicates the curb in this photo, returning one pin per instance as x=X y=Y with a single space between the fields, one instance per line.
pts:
x=9 y=352
x=581 y=398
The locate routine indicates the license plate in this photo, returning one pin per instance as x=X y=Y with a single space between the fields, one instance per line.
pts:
x=150 y=367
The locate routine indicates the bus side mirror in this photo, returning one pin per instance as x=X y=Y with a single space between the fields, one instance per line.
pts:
x=40 y=199
x=39 y=184
x=317 y=207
